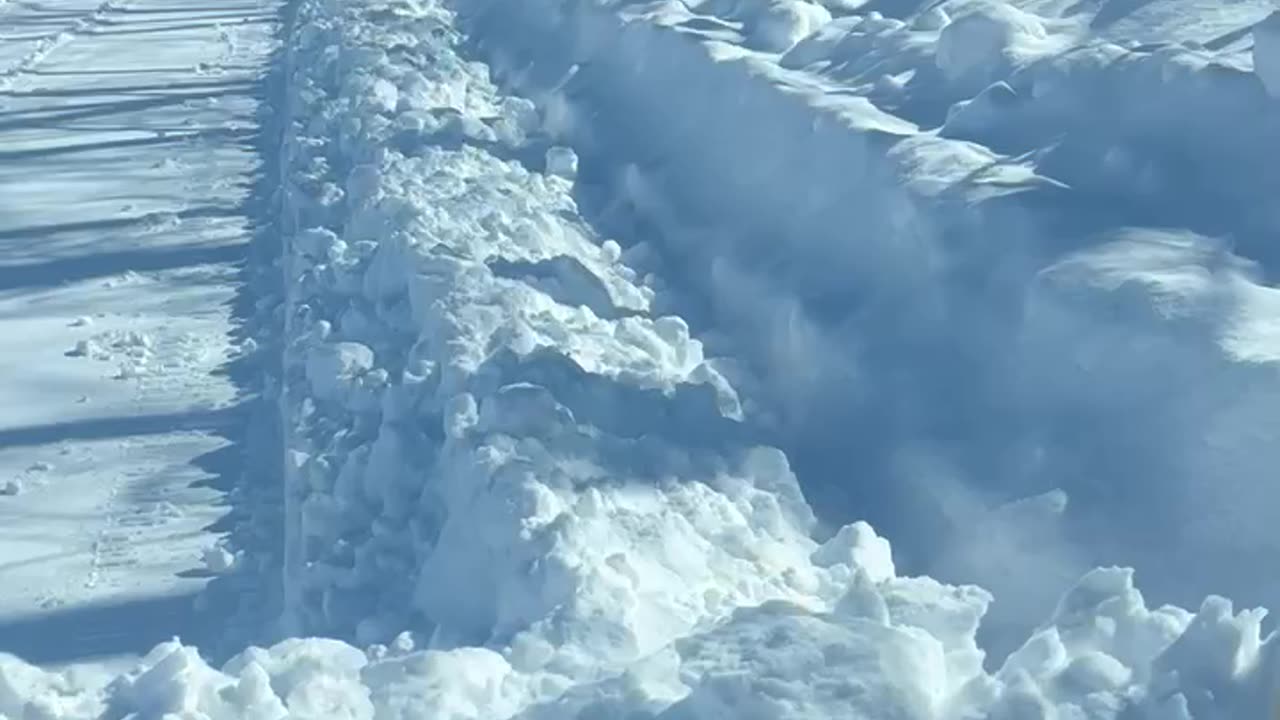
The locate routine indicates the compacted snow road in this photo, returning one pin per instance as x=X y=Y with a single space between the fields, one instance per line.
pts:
x=127 y=173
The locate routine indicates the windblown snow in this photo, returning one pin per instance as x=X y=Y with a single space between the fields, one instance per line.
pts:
x=607 y=331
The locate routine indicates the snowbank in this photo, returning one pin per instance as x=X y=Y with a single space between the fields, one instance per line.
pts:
x=877 y=224
x=478 y=391
x=887 y=648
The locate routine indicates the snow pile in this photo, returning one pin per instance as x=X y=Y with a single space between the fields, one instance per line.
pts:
x=27 y=691
x=766 y=25
x=887 y=648
x=948 y=283
x=979 y=45
x=495 y=443
x=476 y=387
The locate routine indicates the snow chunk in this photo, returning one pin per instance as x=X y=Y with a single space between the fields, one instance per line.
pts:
x=522 y=409
x=611 y=251
x=173 y=681
x=1266 y=53
x=857 y=546
x=980 y=44
x=30 y=692
x=316 y=243
x=779 y=661
x=935 y=18
x=219 y=559
x=460 y=415
x=86 y=348
x=562 y=162
x=384 y=95
x=780 y=24
x=331 y=367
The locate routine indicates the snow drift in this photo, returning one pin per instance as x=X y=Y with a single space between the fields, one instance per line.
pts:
x=528 y=491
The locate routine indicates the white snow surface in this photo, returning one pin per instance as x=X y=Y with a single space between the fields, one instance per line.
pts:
x=945 y=278
x=124 y=179
x=585 y=397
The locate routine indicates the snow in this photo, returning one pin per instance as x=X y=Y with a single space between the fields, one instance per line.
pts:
x=124 y=183
x=979 y=44
x=1266 y=52
x=926 y=217
x=754 y=359
x=562 y=162
x=1102 y=653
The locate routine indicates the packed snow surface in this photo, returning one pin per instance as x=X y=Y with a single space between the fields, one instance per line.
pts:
x=607 y=332
x=125 y=183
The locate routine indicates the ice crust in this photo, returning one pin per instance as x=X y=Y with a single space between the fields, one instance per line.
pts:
x=519 y=489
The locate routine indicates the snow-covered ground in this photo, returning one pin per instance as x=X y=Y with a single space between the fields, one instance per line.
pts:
x=600 y=330
x=125 y=217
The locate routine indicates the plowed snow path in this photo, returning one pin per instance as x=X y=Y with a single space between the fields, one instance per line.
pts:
x=127 y=159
